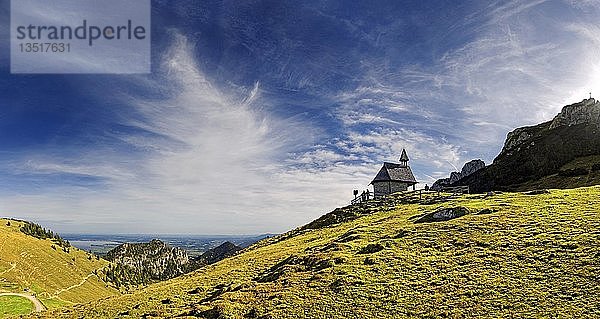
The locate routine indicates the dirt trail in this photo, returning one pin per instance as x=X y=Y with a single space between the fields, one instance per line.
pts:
x=75 y=286
x=81 y=283
x=12 y=266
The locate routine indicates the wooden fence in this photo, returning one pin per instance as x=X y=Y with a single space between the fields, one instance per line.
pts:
x=456 y=190
x=416 y=193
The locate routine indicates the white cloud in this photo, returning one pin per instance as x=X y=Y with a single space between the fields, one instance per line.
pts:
x=213 y=164
x=521 y=67
x=427 y=153
x=501 y=13
x=584 y=4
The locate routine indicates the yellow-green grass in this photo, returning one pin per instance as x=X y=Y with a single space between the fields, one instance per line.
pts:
x=529 y=256
x=41 y=267
x=14 y=306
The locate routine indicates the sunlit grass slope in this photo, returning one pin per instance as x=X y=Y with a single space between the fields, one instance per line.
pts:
x=56 y=277
x=513 y=256
x=14 y=305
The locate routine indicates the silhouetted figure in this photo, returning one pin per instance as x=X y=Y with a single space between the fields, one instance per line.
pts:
x=426 y=187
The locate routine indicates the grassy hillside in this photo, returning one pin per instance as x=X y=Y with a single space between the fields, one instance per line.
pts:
x=514 y=255
x=14 y=305
x=56 y=275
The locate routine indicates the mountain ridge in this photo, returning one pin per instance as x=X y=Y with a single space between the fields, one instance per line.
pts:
x=216 y=254
x=468 y=169
x=546 y=155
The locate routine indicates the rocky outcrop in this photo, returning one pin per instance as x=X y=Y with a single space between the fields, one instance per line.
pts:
x=142 y=263
x=443 y=214
x=440 y=184
x=454 y=177
x=586 y=111
x=471 y=167
x=154 y=260
x=536 y=154
x=517 y=137
x=468 y=169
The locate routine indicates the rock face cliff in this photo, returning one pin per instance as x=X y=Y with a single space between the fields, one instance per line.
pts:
x=142 y=263
x=517 y=138
x=153 y=261
x=586 y=111
x=468 y=169
x=555 y=154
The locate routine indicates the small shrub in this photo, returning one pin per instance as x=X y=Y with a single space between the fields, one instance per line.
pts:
x=166 y=301
x=338 y=285
x=401 y=234
x=485 y=211
x=370 y=261
x=371 y=249
x=213 y=313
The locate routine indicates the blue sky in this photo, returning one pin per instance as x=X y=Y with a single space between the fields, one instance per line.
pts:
x=260 y=116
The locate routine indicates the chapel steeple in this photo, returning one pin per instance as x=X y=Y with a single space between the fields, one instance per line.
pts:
x=404 y=159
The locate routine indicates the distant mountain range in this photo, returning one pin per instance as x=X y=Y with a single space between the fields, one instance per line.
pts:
x=194 y=245
x=561 y=153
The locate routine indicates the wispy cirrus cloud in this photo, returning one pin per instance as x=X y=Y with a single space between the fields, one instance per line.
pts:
x=212 y=163
x=524 y=62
